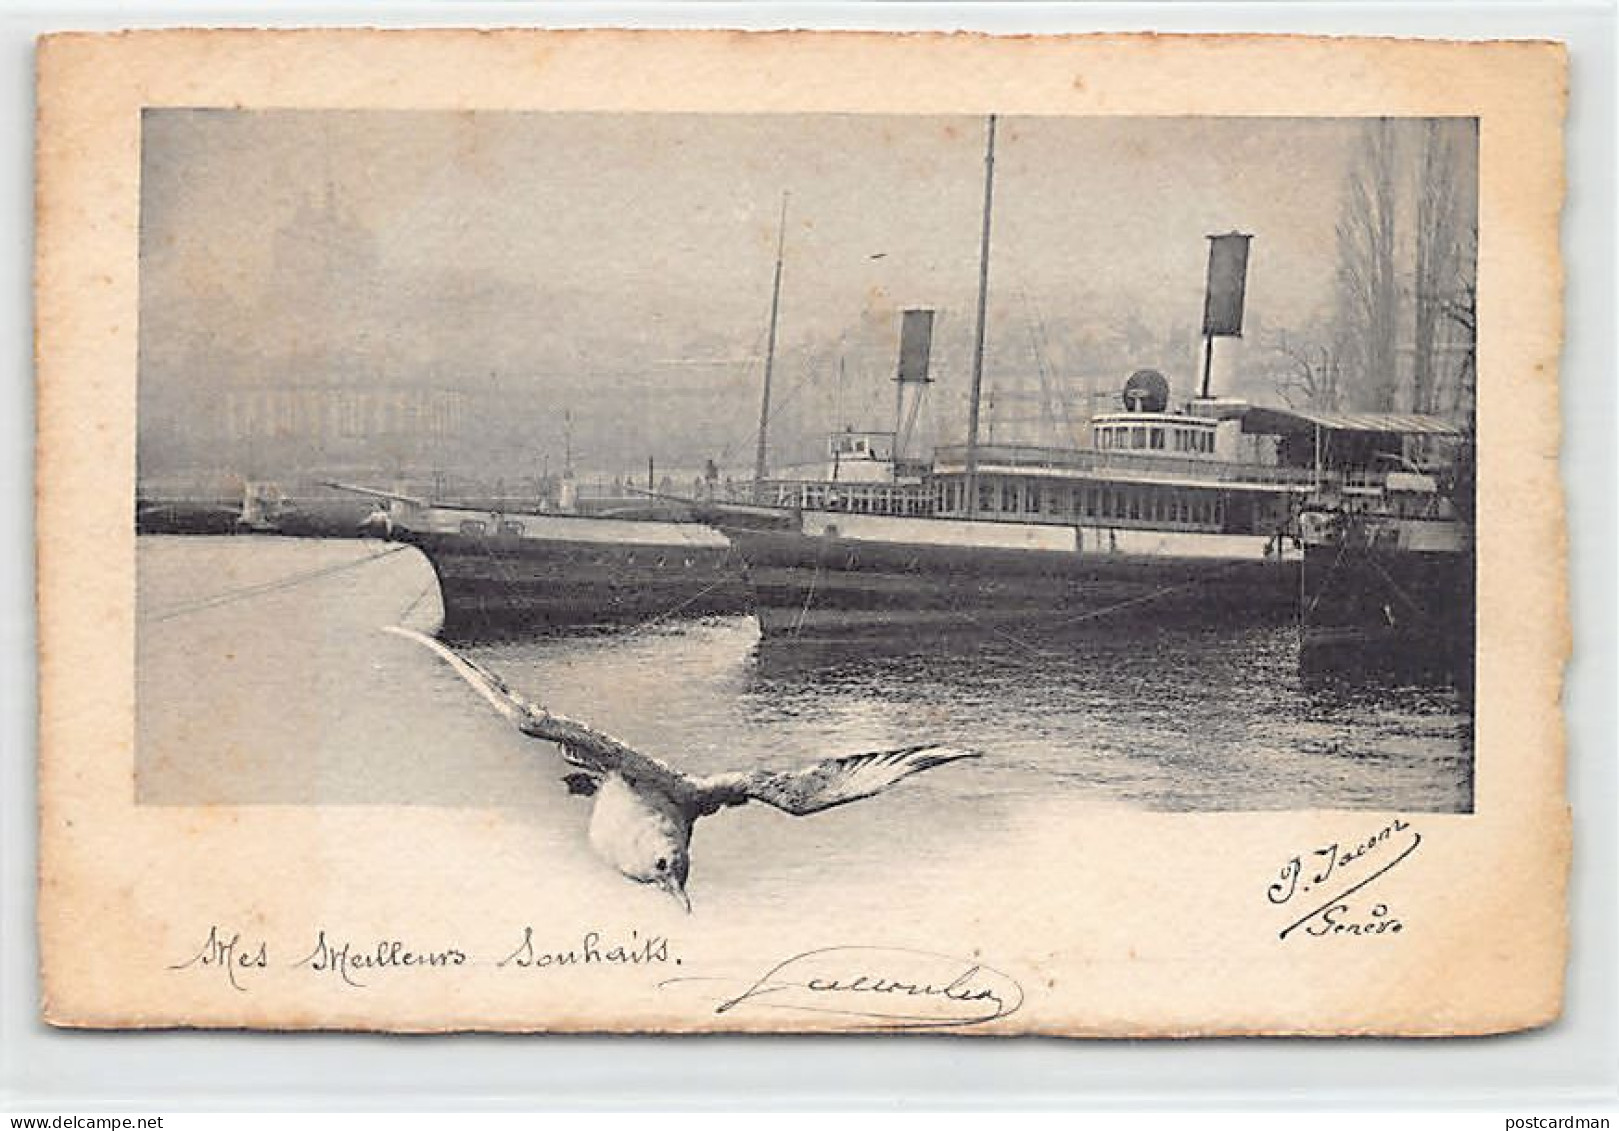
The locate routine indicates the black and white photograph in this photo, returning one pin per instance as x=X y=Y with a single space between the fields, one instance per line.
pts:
x=718 y=519
x=805 y=429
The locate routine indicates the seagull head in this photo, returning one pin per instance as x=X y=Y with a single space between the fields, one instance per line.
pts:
x=657 y=855
x=668 y=872
x=675 y=885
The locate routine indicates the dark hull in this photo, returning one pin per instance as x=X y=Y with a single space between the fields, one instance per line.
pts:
x=1394 y=609
x=830 y=586
x=494 y=587
x=325 y=521
x=181 y=518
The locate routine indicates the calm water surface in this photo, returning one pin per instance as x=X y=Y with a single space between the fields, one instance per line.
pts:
x=269 y=652
x=1163 y=719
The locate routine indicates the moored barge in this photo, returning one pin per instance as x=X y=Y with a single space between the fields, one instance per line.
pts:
x=502 y=573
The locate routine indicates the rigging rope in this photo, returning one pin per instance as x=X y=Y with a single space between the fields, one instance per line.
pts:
x=265 y=587
x=674 y=610
x=1107 y=610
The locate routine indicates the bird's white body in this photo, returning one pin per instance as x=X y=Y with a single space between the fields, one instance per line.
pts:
x=644 y=810
x=633 y=829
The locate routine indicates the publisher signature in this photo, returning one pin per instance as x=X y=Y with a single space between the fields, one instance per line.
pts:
x=883 y=987
x=1333 y=865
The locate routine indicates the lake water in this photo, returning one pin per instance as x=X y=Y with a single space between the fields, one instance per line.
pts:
x=263 y=677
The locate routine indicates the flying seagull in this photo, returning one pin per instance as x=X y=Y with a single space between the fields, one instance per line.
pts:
x=645 y=810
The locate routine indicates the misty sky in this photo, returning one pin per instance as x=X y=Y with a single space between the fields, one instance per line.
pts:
x=620 y=265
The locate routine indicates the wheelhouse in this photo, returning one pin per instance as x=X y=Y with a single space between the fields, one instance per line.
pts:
x=1170 y=433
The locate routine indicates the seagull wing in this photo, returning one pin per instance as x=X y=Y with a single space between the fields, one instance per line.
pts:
x=824 y=784
x=582 y=746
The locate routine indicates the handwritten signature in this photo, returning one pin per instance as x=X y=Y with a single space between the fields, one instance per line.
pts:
x=1387 y=848
x=884 y=987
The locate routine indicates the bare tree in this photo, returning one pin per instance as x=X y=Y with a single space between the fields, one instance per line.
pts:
x=1459 y=308
x=1306 y=374
x=1369 y=296
x=1437 y=257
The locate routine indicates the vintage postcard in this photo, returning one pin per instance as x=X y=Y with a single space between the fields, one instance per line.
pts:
x=709 y=531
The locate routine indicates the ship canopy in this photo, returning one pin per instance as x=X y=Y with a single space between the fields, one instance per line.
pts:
x=1356 y=441
x=1283 y=422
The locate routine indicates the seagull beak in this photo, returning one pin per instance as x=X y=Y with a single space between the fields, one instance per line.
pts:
x=678 y=891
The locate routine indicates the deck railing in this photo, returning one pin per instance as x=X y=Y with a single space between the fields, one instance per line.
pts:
x=992 y=457
x=820 y=494
x=923 y=497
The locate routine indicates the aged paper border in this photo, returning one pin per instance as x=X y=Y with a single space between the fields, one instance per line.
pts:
x=1496 y=875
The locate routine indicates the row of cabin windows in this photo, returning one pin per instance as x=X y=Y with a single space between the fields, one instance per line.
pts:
x=861 y=499
x=1140 y=437
x=1131 y=504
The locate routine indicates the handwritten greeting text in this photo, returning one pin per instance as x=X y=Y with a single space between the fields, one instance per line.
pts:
x=358 y=963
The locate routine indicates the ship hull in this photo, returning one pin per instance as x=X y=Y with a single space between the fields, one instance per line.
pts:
x=323 y=520
x=180 y=518
x=827 y=586
x=1397 y=609
x=568 y=574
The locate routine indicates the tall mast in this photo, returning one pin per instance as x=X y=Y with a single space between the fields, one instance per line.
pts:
x=837 y=417
x=978 y=333
x=770 y=357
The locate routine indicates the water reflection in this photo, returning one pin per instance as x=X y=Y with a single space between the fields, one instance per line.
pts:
x=1145 y=717
x=1158 y=716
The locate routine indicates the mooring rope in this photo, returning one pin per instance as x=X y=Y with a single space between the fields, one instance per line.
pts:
x=1093 y=614
x=674 y=610
x=1343 y=548
x=265 y=587
x=420 y=597
x=798 y=622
